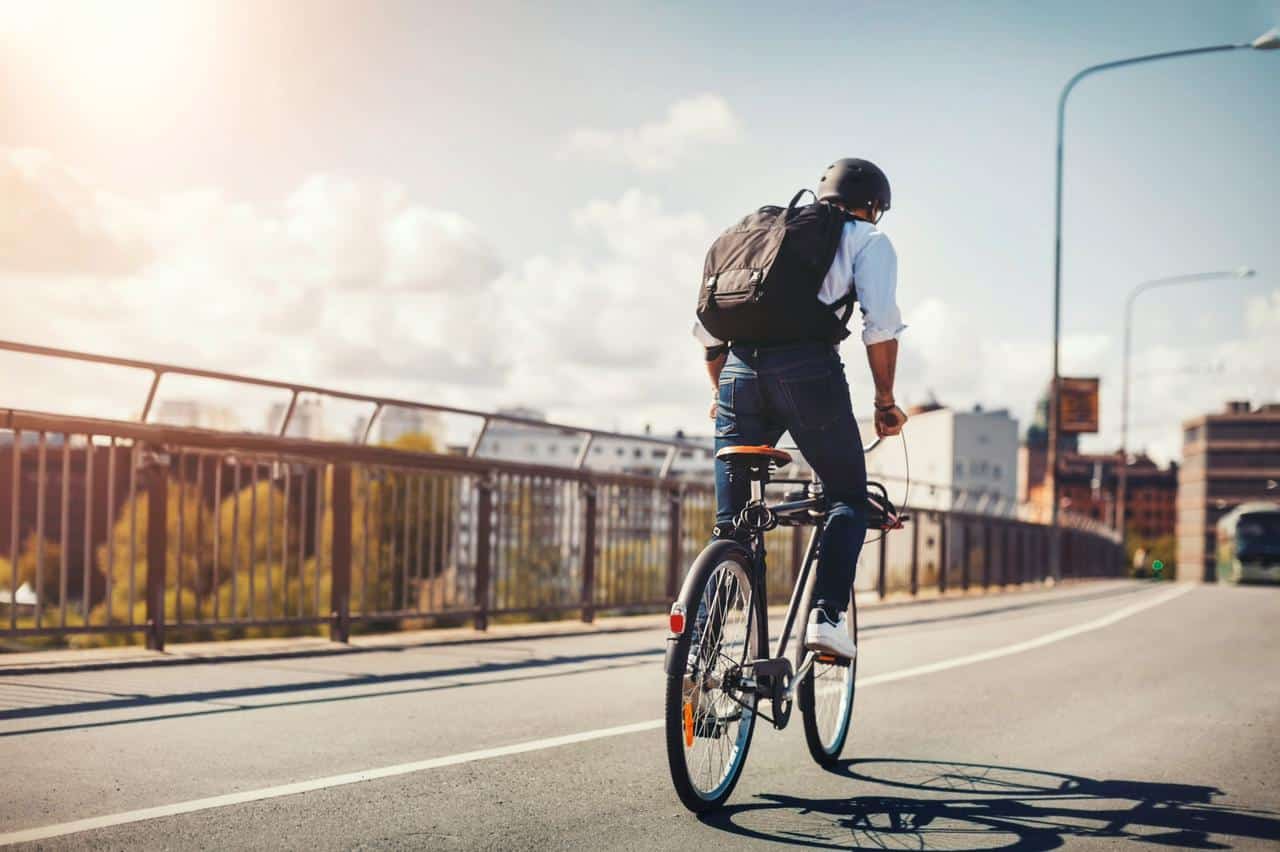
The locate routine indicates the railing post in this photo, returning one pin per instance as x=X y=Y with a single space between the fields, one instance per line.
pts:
x=588 y=552
x=340 y=585
x=674 y=533
x=943 y=521
x=157 y=548
x=966 y=551
x=986 y=553
x=484 y=548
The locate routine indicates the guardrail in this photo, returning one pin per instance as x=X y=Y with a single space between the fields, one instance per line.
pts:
x=125 y=529
x=378 y=404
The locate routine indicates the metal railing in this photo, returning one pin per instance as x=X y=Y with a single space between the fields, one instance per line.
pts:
x=120 y=529
x=378 y=404
x=127 y=528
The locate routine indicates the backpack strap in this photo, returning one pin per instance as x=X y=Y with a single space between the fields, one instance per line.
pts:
x=794 y=200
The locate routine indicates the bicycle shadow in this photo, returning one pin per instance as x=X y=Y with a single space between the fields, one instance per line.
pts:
x=967 y=806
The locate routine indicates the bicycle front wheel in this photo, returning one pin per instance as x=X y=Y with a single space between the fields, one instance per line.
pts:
x=709 y=715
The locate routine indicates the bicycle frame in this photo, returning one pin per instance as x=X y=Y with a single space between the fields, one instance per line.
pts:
x=791 y=509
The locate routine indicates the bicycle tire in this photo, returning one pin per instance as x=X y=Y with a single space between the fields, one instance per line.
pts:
x=687 y=713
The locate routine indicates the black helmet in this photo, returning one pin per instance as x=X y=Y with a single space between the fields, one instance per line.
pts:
x=854 y=183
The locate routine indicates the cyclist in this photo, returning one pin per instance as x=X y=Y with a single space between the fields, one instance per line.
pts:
x=797 y=385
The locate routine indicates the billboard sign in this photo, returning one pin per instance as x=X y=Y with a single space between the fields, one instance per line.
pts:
x=1077 y=405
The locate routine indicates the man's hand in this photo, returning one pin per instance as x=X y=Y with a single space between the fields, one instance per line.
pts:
x=889 y=421
x=715 y=407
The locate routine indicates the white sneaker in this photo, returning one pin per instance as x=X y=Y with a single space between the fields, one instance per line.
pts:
x=827 y=638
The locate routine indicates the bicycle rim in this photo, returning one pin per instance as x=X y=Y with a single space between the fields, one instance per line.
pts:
x=717 y=722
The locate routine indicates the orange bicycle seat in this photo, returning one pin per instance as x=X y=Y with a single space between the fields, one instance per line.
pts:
x=754 y=453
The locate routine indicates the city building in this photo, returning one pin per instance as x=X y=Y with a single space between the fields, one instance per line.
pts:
x=954 y=459
x=307 y=420
x=1089 y=482
x=1227 y=459
x=194 y=414
x=1033 y=457
x=520 y=442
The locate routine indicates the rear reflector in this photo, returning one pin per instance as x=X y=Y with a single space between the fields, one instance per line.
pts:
x=677 y=618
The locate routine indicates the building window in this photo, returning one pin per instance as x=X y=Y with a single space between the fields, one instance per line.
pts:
x=995 y=472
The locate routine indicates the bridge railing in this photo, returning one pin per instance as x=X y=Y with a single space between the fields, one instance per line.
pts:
x=123 y=529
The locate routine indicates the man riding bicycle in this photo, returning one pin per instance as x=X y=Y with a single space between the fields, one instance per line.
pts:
x=776 y=299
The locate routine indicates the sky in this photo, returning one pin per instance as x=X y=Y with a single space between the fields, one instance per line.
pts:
x=500 y=203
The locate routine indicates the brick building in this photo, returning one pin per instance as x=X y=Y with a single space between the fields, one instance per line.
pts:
x=1227 y=459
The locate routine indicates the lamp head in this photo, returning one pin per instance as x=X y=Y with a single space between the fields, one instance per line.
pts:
x=1270 y=40
x=1244 y=272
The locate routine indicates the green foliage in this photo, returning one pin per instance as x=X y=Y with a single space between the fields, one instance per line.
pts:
x=42 y=572
x=418 y=442
x=1164 y=548
x=403 y=526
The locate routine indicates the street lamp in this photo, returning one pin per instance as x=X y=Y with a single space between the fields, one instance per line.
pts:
x=1269 y=40
x=1239 y=272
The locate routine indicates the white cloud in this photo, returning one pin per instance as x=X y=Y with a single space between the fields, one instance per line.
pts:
x=701 y=120
x=604 y=337
x=1263 y=315
x=344 y=282
x=355 y=285
x=54 y=223
x=1171 y=382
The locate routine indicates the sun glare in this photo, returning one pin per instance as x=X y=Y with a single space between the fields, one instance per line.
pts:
x=113 y=60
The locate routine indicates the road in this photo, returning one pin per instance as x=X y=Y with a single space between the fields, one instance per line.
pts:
x=1077 y=717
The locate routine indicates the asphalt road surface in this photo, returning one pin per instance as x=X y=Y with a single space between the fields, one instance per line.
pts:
x=1081 y=717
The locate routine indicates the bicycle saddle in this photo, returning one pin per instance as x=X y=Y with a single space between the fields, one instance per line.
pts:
x=761 y=453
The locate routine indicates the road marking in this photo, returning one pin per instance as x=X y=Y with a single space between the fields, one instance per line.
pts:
x=1019 y=647
x=246 y=796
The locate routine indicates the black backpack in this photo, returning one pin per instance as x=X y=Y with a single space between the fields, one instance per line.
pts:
x=761 y=279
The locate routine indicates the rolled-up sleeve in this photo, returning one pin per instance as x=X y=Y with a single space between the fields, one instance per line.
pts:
x=875 y=274
x=706 y=338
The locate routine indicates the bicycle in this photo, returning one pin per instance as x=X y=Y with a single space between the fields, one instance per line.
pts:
x=716 y=676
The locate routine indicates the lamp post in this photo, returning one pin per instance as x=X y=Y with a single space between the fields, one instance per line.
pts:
x=1240 y=272
x=1269 y=40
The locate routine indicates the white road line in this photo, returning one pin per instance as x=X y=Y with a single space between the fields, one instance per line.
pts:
x=245 y=796
x=1019 y=647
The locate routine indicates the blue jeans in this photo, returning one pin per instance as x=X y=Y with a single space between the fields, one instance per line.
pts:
x=801 y=389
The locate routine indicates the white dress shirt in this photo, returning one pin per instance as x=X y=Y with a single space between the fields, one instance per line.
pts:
x=865 y=258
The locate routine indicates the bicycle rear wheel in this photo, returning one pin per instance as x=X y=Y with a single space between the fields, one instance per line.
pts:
x=709 y=717
x=826 y=698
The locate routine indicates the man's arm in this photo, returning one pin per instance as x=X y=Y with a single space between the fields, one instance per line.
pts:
x=714 y=366
x=883 y=359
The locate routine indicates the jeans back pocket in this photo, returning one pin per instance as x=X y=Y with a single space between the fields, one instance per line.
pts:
x=817 y=401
